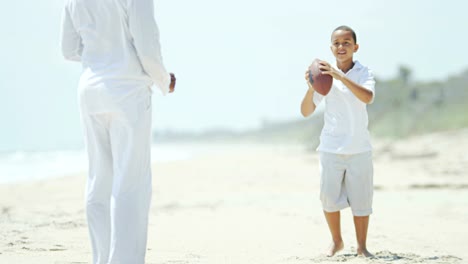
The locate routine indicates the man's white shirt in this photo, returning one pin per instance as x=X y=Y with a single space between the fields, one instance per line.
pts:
x=117 y=42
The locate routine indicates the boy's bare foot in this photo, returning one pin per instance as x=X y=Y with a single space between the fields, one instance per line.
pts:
x=334 y=248
x=364 y=253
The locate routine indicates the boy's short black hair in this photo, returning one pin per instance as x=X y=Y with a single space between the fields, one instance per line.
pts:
x=346 y=28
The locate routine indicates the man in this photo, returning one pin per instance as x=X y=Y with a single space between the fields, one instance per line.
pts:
x=117 y=42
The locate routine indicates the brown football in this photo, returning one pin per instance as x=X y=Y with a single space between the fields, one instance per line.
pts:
x=322 y=83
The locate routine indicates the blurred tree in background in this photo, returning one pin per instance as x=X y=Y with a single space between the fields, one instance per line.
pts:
x=401 y=108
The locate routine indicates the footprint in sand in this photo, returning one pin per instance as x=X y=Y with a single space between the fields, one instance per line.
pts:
x=57 y=248
x=74 y=262
x=385 y=257
x=414 y=258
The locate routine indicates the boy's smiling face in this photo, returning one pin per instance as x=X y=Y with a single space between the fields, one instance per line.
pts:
x=343 y=45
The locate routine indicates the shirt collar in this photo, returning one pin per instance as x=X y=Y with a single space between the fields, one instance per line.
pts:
x=357 y=66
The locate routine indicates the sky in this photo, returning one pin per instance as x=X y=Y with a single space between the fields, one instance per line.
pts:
x=237 y=63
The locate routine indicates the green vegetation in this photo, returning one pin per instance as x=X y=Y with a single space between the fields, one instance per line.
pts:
x=402 y=108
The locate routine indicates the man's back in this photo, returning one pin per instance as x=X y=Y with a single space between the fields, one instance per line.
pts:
x=118 y=43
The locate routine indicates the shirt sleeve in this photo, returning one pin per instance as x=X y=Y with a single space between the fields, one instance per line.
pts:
x=71 y=43
x=145 y=34
x=317 y=98
x=368 y=81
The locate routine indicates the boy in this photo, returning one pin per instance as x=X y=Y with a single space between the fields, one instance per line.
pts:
x=346 y=168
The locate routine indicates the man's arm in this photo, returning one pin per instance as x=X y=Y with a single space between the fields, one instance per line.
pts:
x=145 y=33
x=71 y=45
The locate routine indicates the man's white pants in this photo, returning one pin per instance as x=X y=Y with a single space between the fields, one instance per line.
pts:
x=118 y=190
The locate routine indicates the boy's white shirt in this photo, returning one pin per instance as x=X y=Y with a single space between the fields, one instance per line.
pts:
x=346 y=121
x=118 y=44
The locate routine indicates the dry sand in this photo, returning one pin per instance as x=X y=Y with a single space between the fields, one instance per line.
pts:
x=258 y=204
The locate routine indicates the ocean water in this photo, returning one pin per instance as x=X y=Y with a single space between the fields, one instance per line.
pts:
x=17 y=167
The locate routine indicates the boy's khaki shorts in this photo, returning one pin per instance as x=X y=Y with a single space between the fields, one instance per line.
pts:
x=346 y=180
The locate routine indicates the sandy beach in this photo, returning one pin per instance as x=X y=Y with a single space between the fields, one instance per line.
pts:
x=259 y=204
